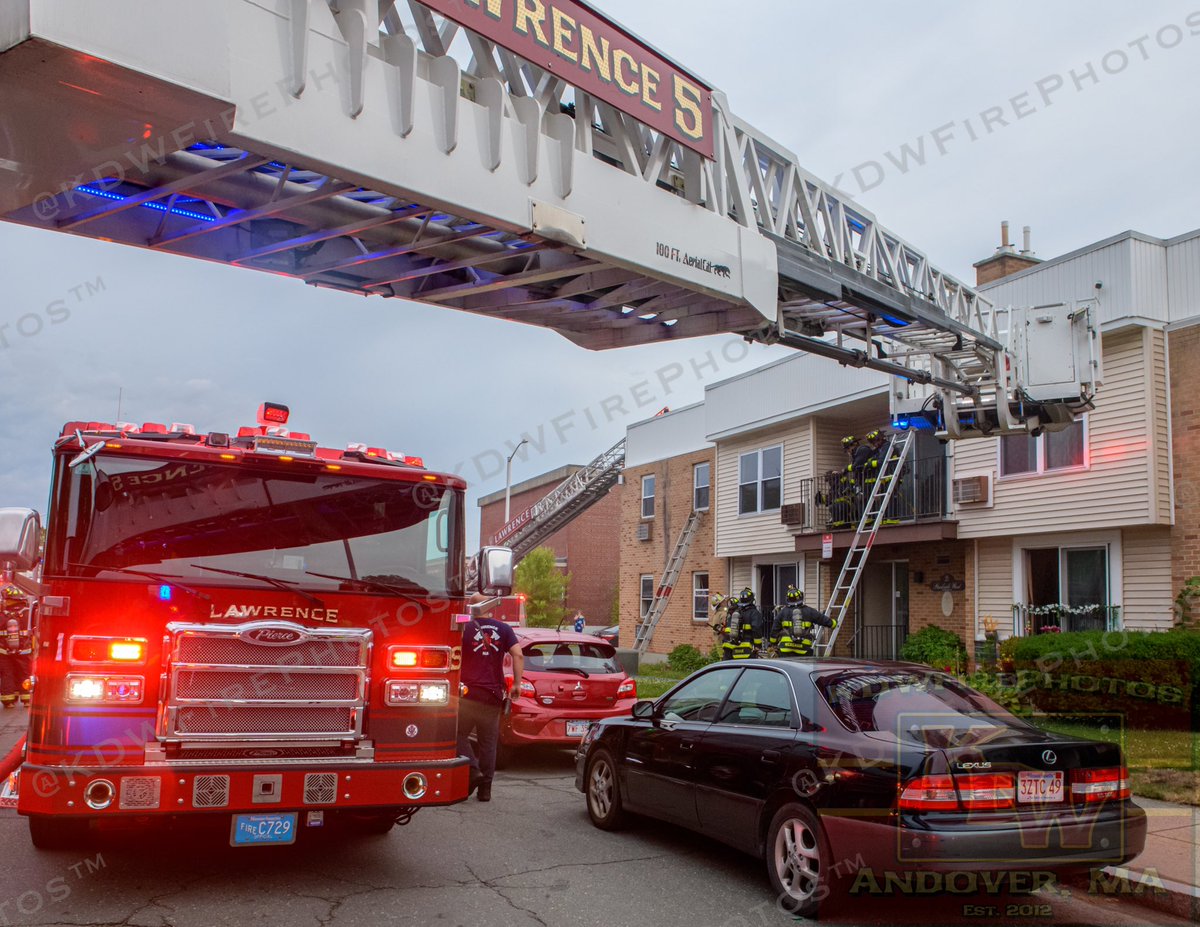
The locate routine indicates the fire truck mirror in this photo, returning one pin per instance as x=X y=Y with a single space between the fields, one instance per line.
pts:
x=495 y=571
x=19 y=533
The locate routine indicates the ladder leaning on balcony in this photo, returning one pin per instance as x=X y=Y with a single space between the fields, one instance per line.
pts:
x=662 y=595
x=864 y=537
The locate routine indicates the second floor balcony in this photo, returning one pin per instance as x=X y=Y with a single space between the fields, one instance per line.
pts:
x=834 y=501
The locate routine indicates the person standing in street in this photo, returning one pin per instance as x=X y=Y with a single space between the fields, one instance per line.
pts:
x=485 y=643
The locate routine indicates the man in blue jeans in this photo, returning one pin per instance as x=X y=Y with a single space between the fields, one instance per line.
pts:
x=485 y=643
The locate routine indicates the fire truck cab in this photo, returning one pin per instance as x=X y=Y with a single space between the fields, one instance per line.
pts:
x=244 y=625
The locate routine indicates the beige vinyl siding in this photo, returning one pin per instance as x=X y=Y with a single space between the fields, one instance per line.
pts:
x=994 y=575
x=1114 y=491
x=742 y=574
x=1160 y=423
x=1146 y=579
x=741 y=535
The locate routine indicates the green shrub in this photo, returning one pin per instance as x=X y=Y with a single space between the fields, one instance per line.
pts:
x=935 y=647
x=1148 y=678
x=686 y=659
x=1001 y=690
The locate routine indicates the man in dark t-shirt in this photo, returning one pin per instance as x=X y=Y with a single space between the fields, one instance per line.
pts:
x=485 y=643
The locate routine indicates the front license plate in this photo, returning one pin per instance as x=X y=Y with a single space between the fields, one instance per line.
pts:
x=577 y=728
x=1039 y=787
x=252 y=830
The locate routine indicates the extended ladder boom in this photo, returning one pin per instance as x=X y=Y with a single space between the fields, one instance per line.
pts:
x=563 y=504
x=430 y=150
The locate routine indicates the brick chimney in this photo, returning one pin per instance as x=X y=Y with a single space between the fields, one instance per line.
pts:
x=1007 y=260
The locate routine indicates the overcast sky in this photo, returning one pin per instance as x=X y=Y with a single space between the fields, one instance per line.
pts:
x=1084 y=120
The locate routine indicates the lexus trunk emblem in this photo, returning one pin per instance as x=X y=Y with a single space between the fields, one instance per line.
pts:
x=1049 y=757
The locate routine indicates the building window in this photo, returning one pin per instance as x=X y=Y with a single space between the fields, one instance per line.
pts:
x=1050 y=451
x=701 y=477
x=700 y=597
x=760 y=480
x=648 y=496
x=647 y=593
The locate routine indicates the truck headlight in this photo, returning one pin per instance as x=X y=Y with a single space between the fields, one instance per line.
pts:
x=417 y=692
x=104 y=689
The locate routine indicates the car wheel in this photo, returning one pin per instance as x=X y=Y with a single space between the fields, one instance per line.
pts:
x=797 y=860
x=603 y=794
x=57 y=833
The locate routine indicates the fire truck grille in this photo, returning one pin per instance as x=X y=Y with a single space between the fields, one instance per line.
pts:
x=266 y=684
x=267 y=719
x=210 y=792
x=232 y=651
x=305 y=685
x=320 y=788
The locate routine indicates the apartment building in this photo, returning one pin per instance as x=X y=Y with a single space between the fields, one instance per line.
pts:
x=587 y=547
x=1093 y=527
x=668 y=480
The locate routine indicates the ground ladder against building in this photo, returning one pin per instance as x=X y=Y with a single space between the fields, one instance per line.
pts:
x=880 y=496
x=564 y=503
x=662 y=595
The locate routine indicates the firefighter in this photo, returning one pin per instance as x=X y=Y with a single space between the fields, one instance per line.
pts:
x=845 y=494
x=749 y=623
x=794 y=625
x=15 y=654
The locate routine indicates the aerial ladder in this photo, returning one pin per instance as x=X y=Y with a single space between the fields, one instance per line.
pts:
x=438 y=151
x=874 y=513
x=662 y=595
x=563 y=504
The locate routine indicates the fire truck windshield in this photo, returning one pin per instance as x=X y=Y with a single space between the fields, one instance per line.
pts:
x=113 y=515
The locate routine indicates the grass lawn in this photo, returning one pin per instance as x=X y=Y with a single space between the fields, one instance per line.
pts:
x=1161 y=764
x=656 y=678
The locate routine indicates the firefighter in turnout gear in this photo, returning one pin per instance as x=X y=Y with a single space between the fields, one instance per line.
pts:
x=16 y=652
x=793 y=628
x=744 y=629
x=844 y=492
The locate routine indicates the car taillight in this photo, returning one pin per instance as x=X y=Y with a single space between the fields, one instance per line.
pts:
x=1099 y=784
x=527 y=689
x=984 y=791
x=928 y=793
x=627 y=689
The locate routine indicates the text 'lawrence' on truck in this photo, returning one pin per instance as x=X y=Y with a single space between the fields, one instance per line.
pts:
x=249 y=626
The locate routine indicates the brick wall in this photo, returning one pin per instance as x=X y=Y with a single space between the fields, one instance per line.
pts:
x=932 y=560
x=672 y=506
x=1185 y=445
x=588 y=544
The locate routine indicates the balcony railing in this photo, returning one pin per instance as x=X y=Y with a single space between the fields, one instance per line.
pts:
x=879 y=642
x=1044 y=619
x=835 y=500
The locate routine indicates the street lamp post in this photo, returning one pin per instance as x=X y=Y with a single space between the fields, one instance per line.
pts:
x=508 y=477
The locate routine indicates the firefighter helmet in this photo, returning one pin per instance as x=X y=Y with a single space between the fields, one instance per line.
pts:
x=794 y=596
x=848 y=442
x=875 y=437
x=747 y=597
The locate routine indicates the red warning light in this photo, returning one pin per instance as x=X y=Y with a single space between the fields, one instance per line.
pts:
x=272 y=413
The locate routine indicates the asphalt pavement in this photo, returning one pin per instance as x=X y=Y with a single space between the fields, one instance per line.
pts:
x=529 y=857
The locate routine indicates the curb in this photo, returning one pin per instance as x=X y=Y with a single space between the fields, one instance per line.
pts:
x=1153 y=891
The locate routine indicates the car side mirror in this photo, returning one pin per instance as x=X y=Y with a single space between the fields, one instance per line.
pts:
x=495 y=571
x=643 y=710
x=19 y=533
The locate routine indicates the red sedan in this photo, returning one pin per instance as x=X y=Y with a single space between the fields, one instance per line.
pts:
x=570 y=680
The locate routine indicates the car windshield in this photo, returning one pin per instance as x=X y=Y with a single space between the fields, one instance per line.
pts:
x=566 y=656
x=203 y=522
x=930 y=708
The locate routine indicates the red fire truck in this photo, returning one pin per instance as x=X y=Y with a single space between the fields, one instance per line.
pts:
x=242 y=625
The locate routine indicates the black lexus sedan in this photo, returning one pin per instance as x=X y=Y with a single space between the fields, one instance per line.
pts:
x=837 y=771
